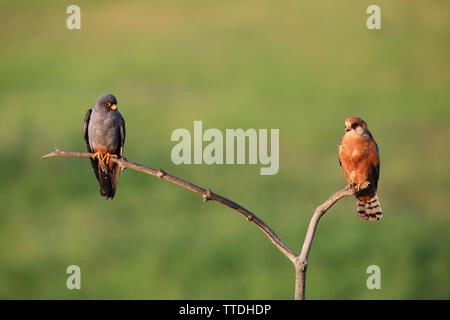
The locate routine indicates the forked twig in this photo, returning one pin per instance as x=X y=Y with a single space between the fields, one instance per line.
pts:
x=299 y=261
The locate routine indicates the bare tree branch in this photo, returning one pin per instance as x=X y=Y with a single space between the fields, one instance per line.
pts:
x=207 y=194
x=300 y=262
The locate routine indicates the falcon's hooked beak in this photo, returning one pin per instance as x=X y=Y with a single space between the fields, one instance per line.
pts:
x=113 y=106
x=348 y=127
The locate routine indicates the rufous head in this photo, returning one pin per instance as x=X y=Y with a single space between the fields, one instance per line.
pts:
x=355 y=124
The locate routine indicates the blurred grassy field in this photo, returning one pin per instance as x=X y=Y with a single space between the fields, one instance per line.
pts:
x=302 y=67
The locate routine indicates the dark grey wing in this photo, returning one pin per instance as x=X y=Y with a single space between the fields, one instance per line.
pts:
x=116 y=169
x=122 y=135
x=87 y=118
x=377 y=166
x=374 y=172
x=94 y=163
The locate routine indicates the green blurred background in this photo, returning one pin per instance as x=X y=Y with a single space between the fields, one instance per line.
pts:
x=299 y=66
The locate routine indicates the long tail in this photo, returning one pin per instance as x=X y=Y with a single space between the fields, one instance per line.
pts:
x=107 y=178
x=369 y=210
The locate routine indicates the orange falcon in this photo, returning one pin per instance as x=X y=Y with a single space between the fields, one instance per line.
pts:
x=359 y=159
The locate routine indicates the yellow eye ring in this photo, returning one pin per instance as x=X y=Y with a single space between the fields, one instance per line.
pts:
x=108 y=104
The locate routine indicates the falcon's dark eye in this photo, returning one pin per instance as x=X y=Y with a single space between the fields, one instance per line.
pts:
x=354 y=125
x=108 y=104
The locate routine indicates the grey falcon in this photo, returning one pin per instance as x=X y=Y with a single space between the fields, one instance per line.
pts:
x=104 y=134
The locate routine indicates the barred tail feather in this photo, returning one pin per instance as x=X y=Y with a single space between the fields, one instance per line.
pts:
x=370 y=210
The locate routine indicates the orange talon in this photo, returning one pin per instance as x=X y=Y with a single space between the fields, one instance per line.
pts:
x=358 y=186
x=348 y=186
x=100 y=157
x=103 y=160
x=96 y=155
x=107 y=156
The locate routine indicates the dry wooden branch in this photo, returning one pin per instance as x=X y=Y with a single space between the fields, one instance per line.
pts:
x=300 y=262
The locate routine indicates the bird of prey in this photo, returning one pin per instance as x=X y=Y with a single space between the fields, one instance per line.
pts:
x=104 y=134
x=359 y=159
